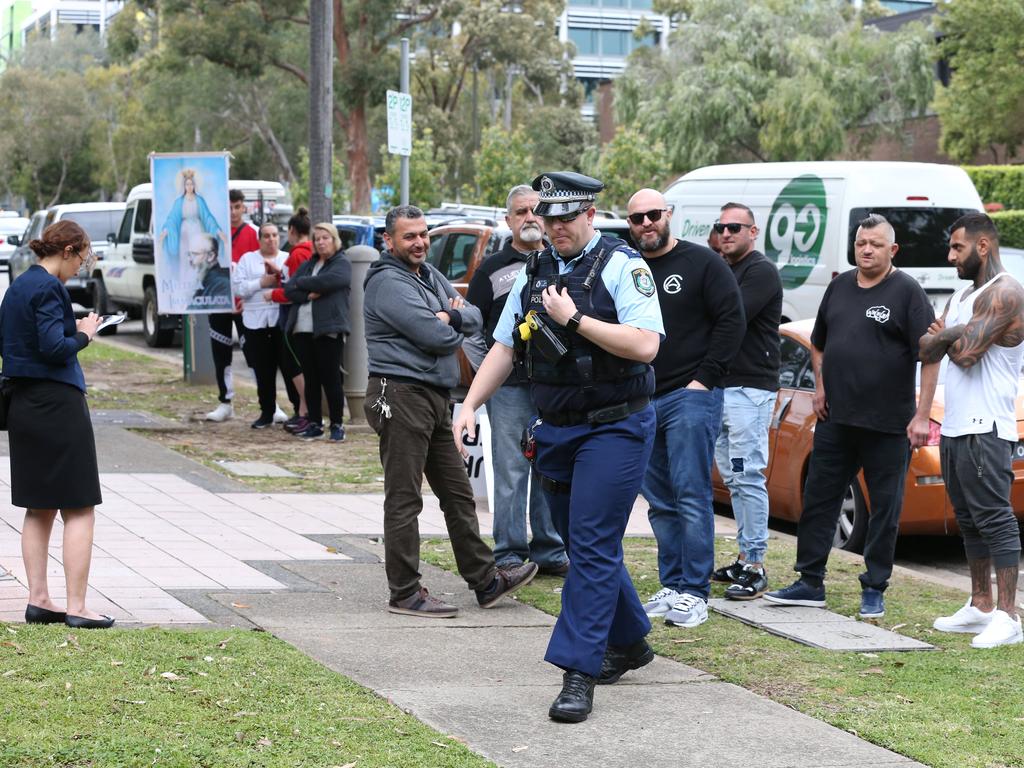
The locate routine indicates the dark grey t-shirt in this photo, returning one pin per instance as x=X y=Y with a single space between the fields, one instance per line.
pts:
x=869 y=337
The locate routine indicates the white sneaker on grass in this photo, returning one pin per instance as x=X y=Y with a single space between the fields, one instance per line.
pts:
x=688 y=611
x=660 y=602
x=1001 y=630
x=222 y=412
x=968 y=620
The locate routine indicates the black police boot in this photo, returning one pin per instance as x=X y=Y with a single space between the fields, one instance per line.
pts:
x=618 y=660
x=576 y=700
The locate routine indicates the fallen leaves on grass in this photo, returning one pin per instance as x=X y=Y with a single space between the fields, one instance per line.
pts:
x=11 y=644
x=872 y=671
x=682 y=640
x=169 y=676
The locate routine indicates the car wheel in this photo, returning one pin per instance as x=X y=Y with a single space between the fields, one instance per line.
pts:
x=155 y=335
x=101 y=304
x=853 y=520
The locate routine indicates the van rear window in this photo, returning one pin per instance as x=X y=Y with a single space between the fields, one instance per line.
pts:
x=922 y=233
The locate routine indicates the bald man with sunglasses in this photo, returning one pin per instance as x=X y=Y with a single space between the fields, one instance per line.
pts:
x=704 y=326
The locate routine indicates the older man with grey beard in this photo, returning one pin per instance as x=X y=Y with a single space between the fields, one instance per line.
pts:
x=510 y=409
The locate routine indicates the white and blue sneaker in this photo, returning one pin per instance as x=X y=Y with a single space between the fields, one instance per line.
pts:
x=688 y=611
x=661 y=602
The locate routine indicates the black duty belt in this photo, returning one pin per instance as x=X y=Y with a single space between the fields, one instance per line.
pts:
x=604 y=415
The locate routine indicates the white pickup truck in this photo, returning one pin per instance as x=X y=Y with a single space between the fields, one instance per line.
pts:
x=125 y=278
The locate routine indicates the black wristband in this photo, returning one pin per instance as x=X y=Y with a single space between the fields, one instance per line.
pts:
x=573 y=323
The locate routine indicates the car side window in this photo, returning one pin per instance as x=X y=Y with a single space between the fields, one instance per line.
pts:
x=436 y=253
x=143 y=214
x=795 y=358
x=35 y=228
x=462 y=250
x=124 y=232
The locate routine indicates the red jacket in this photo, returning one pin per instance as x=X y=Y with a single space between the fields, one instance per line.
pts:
x=300 y=253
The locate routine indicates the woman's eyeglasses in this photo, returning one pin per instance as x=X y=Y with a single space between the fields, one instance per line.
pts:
x=638 y=218
x=732 y=226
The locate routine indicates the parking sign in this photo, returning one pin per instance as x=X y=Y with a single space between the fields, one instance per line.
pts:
x=399 y=123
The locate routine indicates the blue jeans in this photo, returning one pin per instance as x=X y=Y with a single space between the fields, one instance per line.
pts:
x=510 y=409
x=677 y=485
x=742 y=457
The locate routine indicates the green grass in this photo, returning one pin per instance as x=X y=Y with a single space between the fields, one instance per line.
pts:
x=216 y=698
x=954 y=707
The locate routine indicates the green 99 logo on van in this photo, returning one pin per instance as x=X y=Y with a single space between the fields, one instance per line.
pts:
x=796 y=229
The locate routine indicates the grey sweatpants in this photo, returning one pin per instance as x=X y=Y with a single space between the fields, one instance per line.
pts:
x=978 y=474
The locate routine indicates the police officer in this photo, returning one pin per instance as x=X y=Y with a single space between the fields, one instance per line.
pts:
x=583 y=320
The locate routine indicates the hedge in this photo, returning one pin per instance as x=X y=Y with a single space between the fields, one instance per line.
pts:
x=1011 y=227
x=999 y=184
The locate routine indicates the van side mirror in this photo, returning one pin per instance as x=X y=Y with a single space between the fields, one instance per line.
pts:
x=14 y=239
x=112 y=238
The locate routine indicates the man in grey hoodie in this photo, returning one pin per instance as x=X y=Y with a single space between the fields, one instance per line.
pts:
x=415 y=324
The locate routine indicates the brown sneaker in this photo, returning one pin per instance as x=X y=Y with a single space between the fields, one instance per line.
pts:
x=506 y=581
x=423 y=604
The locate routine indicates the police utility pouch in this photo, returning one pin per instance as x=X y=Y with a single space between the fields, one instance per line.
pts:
x=534 y=330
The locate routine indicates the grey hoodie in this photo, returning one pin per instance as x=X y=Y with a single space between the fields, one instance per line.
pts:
x=404 y=338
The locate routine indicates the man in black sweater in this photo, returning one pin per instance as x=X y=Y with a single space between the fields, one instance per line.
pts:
x=510 y=408
x=704 y=326
x=750 y=391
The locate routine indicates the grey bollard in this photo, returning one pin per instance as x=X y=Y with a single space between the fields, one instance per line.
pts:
x=198 y=358
x=356 y=371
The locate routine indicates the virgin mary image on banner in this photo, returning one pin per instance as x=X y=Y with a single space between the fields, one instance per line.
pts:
x=190 y=212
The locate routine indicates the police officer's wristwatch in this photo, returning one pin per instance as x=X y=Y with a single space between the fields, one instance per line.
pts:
x=573 y=323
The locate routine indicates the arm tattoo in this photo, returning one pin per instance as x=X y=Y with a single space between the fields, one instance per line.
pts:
x=997 y=318
x=933 y=347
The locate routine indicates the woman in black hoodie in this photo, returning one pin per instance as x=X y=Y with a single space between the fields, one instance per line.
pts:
x=318 y=325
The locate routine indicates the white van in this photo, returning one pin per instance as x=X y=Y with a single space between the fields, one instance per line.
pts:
x=807 y=214
x=125 y=278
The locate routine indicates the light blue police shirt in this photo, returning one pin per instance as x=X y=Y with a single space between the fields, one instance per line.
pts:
x=621 y=276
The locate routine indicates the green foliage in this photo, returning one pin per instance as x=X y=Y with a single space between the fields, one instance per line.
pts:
x=300 y=189
x=502 y=162
x=1002 y=184
x=627 y=163
x=1011 y=227
x=773 y=80
x=424 y=172
x=558 y=138
x=984 y=104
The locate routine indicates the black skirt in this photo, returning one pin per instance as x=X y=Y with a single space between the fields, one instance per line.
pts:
x=53 y=451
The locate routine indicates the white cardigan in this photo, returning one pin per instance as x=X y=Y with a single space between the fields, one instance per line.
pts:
x=257 y=312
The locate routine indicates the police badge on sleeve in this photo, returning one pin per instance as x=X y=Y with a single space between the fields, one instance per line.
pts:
x=643 y=281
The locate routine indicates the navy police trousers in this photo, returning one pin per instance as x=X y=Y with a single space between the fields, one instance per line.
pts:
x=604 y=465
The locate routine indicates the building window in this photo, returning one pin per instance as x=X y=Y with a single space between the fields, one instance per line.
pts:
x=607 y=42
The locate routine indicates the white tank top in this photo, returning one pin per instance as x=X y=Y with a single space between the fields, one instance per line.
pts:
x=986 y=393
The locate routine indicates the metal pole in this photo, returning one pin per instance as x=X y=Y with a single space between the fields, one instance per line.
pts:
x=404 y=88
x=321 y=103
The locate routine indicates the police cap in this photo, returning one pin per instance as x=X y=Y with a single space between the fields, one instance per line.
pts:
x=564 y=192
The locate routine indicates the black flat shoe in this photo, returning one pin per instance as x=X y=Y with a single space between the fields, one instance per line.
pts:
x=620 y=660
x=36 y=615
x=80 y=622
x=576 y=700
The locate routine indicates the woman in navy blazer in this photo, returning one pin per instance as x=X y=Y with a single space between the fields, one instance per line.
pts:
x=53 y=453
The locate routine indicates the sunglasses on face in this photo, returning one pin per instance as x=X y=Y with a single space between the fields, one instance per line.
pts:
x=733 y=226
x=638 y=218
x=569 y=217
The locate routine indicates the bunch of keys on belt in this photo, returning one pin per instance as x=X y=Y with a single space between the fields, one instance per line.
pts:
x=380 y=405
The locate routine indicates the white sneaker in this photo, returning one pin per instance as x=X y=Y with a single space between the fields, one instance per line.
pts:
x=688 y=611
x=222 y=412
x=968 y=620
x=1001 y=630
x=280 y=417
x=660 y=602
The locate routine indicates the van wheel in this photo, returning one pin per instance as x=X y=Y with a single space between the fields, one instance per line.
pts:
x=853 y=521
x=155 y=335
x=101 y=304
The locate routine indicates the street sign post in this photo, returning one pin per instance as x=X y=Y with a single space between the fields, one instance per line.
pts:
x=399 y=123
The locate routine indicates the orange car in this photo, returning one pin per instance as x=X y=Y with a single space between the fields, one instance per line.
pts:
x=926 y=508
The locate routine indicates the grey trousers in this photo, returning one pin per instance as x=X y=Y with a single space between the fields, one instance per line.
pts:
x=978 y=474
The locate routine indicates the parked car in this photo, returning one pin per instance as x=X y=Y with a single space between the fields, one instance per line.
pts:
x=926 y=508
x=360 y=230
x=10 y=224
x=97 y=219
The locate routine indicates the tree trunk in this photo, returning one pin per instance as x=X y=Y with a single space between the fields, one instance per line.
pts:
x=358 y=160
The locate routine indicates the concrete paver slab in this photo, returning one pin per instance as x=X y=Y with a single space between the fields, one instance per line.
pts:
x=255 y=469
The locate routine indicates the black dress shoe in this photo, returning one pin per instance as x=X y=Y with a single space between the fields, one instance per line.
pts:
x=80 y=622
x=576 y=700
x=36 y=615
x=618 y=660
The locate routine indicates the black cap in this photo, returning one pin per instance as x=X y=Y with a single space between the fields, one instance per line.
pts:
x=564 y=192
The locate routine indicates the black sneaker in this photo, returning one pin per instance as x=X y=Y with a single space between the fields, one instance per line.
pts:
x=728 y=574
x=263 y=422
x=576 y=700
x=337 y=433
x=798 y=593
x=752 y=582
x=311 y=432
x=505 y=582
x=618 y=660
x=296 y=424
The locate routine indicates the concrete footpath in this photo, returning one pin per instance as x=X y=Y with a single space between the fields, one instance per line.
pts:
x=177 y=544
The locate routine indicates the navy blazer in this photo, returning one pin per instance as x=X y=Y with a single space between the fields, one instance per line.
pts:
x=38 y=336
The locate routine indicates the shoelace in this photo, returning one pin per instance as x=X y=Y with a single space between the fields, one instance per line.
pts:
x=686 y=602
x=661 y=594
x=577 y=685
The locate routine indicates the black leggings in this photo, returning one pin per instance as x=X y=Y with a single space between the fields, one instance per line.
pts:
x=266 y=352
x=321 y=366
x=221 y=349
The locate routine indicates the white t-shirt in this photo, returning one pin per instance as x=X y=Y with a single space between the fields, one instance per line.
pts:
x=304 y=320
x=257 y=312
